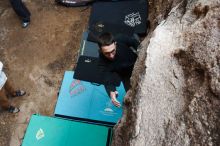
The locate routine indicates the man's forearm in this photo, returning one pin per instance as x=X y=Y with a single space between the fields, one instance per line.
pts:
x=110 y=88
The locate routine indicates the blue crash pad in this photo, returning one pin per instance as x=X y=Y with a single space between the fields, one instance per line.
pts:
x=88 y=48
x=52 y=131
x=86 y=101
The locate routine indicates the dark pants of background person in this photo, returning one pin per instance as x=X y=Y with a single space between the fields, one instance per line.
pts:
x=21 y=10
x=7 y=89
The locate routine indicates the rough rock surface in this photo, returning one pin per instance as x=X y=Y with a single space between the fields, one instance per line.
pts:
x=175 y=95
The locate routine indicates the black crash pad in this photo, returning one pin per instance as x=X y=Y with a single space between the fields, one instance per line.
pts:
x=87 y=69
x=125 y=17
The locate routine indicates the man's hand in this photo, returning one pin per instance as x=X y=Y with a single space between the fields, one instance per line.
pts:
x=113 y=96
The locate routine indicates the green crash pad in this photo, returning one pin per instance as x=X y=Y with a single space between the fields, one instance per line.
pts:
x=51 y=131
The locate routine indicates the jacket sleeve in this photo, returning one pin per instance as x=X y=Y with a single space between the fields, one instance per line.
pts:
x=109 y=78
x=3 y=77
x=1 y=66
x=109 y=88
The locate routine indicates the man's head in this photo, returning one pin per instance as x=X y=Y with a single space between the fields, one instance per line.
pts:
x=107 y=45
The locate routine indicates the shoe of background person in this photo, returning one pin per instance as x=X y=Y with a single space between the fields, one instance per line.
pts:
x=25 y=24
x=19 y=93
x=13 y=109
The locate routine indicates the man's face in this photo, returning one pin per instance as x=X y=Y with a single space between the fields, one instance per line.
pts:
x=109 y=51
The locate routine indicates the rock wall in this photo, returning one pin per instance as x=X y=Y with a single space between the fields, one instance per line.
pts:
x=175 y=95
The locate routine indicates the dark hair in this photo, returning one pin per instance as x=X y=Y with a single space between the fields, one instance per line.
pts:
x=105 y=39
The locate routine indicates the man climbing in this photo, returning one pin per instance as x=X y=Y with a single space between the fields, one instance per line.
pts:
x=116 y=61
x=6 y=90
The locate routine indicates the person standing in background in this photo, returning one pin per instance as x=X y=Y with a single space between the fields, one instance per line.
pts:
x=7 y=89
x=22 y=11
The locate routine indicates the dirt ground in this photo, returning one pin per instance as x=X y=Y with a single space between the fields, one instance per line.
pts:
x=35 y=59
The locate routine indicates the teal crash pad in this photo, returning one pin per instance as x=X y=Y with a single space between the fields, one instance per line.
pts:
x=86 y=101
x=51 y=131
